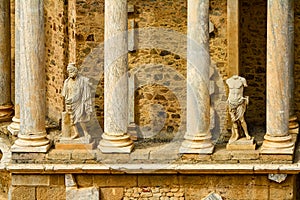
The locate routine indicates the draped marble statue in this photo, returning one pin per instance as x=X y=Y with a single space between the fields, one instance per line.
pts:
x=237 y=104
x=78 y=102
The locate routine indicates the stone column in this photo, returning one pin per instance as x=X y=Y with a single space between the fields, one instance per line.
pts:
x=14 y=127
x=277 y=139
x=198 y=136
x=5 y=57
x=293 y=124
x=32 y=136
x=115 y=138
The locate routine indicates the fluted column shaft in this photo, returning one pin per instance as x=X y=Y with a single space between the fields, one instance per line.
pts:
x=115 y=138
x=32 y=136
x=5 y=58
x=277 y=136
x=197 y=137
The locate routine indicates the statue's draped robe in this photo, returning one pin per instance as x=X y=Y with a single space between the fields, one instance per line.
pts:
x=80 y=99
x=237 y=109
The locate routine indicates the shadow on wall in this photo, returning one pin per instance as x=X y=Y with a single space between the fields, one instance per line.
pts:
x=160 y=89
x=160 y=103
x=160 y=99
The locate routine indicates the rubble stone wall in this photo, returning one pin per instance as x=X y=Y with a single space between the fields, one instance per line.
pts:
x=56 y=55
x=253 y=30
x=297 y=59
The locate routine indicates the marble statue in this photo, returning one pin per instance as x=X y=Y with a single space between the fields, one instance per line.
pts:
x=78 y=101
x=237 y=104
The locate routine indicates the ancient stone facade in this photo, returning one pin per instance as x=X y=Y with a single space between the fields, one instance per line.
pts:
x=178 y=57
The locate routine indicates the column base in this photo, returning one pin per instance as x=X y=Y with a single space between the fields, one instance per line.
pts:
x=277 y=145
x=6 y=113
x=32 y=143
x=197 y=144
x=14 y=127
x=39 y=149
x=115 y=144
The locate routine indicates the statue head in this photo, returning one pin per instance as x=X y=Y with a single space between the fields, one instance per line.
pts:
x=72 y=70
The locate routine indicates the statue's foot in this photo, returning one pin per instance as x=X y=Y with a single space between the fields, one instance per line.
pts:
x=76 y=135
x=233 y=139
x=86 y=134
x=248 y=137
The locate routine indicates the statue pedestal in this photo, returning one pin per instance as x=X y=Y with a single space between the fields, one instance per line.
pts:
x=242 y=144
x=77 y=143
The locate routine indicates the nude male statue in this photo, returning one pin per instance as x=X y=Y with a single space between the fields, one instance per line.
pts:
x=78 y=100
x=237 y=106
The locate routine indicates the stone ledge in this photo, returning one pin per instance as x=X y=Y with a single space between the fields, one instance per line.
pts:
x=153 y=168
x=33 y=180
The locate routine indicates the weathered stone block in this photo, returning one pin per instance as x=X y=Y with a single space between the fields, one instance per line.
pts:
x=140 y=154
x=282 y=192
x=164 y=154
x=57 y=180
x=277 y=158
x=27 y=156
x=261 y=180
x=197 y=193
x=112 y=158
x=221 y=154
x=112 y=193
x=56 y=154
x=193 y=180
x=290 y=180
x=245 y=155
x=30 y=180
x=85 y=180
x=157 y=180
x=24 y=193
x=83 y=155
x=229 y=192
x=115 y=180
x=257 y=192
x=53 y=193
x=91 y=193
